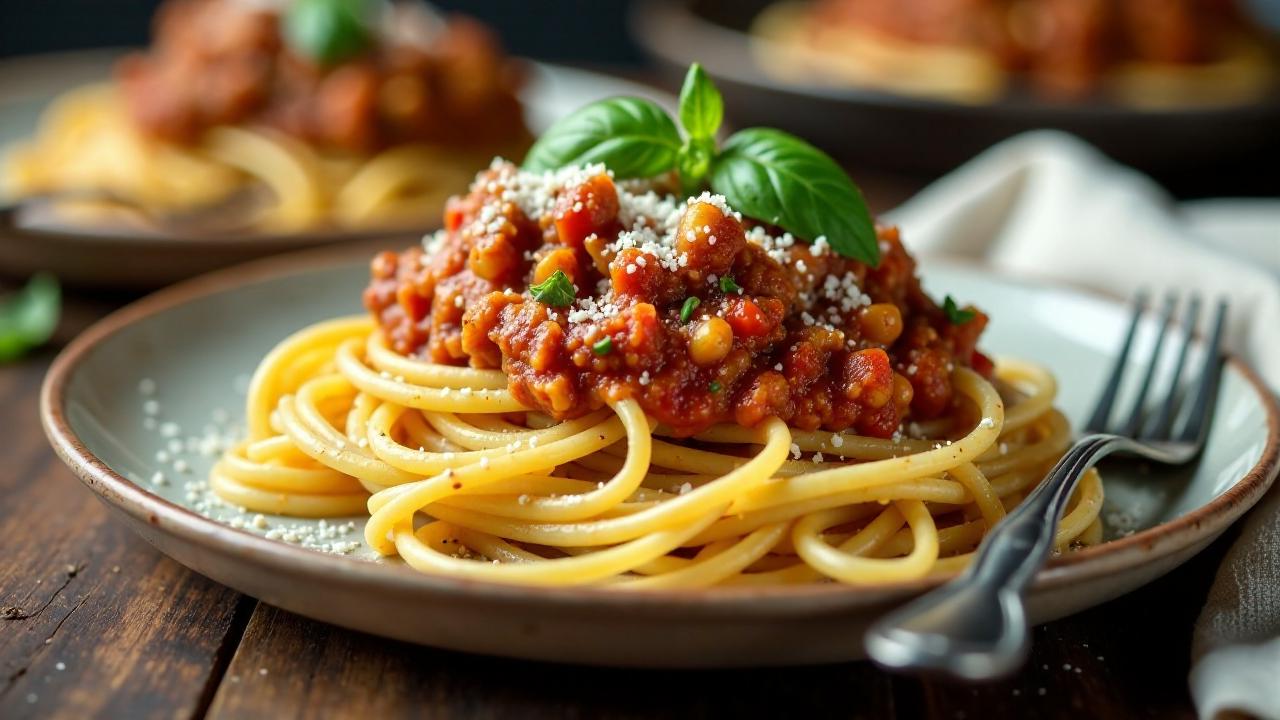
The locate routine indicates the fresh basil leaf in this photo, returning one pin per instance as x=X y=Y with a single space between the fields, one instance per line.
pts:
x=954 y=314
x=701 y=107
x=329 y=31
x=694 y=162
x=556 y=290
x=776 y=177
x=29 y=317
x=633 y=137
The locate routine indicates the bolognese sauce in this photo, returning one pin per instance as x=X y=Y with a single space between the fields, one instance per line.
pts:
x=422 y=79
x=698 y=313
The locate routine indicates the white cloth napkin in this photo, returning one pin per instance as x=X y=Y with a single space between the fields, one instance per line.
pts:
x=1049 y=205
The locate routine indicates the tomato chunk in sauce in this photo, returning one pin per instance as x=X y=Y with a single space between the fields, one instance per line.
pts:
x=699 y=314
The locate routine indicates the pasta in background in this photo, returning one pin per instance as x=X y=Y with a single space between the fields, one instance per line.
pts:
x=234 y=119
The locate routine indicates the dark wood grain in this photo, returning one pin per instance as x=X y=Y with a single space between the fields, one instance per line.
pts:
x=289 y=661
x=93 y=621
x=1128 y=659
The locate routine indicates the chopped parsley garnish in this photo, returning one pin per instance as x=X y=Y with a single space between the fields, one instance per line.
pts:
x=715 y=387
x=556 y=291
x=686 y=311
x=603 y=347
x=954 y=313
x=727 y=285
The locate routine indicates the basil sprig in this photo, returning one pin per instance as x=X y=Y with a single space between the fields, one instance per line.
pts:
x=29 y=317
x=766 y=174
x=330 y=31
x=776 y=177
x=701 y=107
x=701 y=112
x=634 y=137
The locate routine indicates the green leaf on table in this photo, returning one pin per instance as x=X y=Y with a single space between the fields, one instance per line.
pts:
x=780 y=179
x=633 y=137
x=29 y=317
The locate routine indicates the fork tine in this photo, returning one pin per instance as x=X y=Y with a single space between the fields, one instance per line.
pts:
x=1102 y=411
x=1160 y=429
x=1134 y=423
x=1207 y=386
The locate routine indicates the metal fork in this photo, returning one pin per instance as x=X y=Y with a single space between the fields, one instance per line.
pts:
x=975 y=627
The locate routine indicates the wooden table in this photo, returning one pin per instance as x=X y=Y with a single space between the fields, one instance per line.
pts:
x=94 y=622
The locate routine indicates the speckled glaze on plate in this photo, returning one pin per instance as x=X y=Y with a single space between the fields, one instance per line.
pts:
x=199 y=340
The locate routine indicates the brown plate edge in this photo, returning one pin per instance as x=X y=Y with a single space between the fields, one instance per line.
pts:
x=125 y=496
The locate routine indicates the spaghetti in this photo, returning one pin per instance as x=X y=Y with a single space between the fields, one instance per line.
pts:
x=460 y=479
x=87 y=151
x=583 y=381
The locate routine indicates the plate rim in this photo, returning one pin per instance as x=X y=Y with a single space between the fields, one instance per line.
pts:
x=1091 y=563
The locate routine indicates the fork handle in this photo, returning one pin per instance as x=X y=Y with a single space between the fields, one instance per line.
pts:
x=975 y=626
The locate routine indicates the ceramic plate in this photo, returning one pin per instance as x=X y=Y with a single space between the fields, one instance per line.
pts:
x=90 y=256
x=172 y=369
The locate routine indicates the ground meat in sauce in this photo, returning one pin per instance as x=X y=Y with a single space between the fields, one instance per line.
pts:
x=220 y=62
x=818 y=340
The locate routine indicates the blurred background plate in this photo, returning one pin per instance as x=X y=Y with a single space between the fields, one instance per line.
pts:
x=1193 y=150
x=112 y=257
